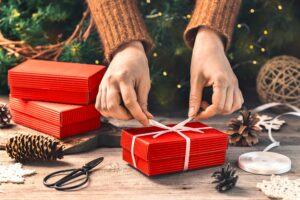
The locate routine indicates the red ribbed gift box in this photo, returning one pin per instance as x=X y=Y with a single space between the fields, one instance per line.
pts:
x=166 y=153
x=52 y=81
x=58 y=120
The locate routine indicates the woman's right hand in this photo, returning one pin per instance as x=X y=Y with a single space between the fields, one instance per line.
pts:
x=123 y=91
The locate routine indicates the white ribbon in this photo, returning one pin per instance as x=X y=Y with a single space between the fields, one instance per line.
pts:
x=263 y=107
x=177 y=129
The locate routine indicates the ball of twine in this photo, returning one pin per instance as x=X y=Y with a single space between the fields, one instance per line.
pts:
x=279 y=81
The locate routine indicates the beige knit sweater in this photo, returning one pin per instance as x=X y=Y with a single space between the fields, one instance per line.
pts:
x=119 y=22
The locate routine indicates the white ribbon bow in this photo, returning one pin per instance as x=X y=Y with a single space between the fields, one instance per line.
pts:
x=177 y=129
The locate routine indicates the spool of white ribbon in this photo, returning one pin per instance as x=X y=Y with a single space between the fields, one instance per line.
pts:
x=177 y=129
x=266 y=162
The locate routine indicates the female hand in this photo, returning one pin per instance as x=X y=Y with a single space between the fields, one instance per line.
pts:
x=210 y=67
x=123 y=92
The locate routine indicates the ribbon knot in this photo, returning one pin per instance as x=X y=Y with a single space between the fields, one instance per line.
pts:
x=179 y=128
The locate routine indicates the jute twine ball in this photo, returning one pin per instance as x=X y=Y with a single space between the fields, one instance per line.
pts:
x=279 y=81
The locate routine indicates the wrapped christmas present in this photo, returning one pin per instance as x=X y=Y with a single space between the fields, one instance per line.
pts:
x=161 y=149
x=52 y=81
x=58 y=120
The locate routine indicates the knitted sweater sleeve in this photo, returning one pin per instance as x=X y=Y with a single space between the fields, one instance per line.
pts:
x=119 y=22
x=218 y=15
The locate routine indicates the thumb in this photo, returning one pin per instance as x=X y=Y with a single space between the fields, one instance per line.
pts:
x=195 y=98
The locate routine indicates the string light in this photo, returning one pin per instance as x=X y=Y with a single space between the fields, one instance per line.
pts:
x=148 y=1
x=15 y=13
x=251 y=46
x=159 y=14
x=279 y=7
x=154 y=54
x=97 y=62
x=231 y=56
x=165 y=73
x=179 y=86
x=254 y=62
x=188 y=16
x=266 y=32
x=239 y=25
x=35 y=15
x=18 y=27
x=262 y=49
x=252 y=10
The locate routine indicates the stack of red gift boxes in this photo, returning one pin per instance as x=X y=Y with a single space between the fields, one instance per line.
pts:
x=56 y=98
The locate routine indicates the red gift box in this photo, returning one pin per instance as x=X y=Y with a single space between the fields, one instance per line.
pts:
x=170 y=152
x=58 y=120
x=52 y=81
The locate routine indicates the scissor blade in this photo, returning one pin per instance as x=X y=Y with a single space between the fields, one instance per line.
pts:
x=94 y=163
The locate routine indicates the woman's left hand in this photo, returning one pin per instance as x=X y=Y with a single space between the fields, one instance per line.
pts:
x=210 y=67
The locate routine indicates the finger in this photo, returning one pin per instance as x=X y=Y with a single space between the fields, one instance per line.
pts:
x=238 y=100
x=195 y=98
x=149 y=115
x=103 y=99
x=114 y=107
x=104 y=113
x=218 y=101
x=204 y=105
x=142 y=98
x=228 y=102
x=130 y=100
x=103 y=107
x=241 y=96
x=98 y=104
x=98 y=101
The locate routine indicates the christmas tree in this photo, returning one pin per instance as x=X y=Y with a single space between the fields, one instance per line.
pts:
x=60 y=30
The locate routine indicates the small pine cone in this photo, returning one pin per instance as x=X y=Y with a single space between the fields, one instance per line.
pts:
x=243 y=131
x=5 y=115
x=225 y=178
x=24 y=148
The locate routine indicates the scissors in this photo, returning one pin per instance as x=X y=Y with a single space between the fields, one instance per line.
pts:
x=70 y=178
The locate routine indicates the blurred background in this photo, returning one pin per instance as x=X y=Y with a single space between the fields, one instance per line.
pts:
x=62 y=30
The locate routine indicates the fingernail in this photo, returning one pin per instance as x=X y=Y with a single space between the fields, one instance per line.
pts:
x=146 y=123
x=151 y=116
x=191 y=112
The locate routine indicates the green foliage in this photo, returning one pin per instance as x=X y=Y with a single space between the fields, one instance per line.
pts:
x=6 y=62
x=38 y=22
x=270 y=30
x=89 y=52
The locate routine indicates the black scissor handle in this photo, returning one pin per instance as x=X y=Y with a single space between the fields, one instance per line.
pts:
x=45 y=181
x=59 y=184
x=73 y=174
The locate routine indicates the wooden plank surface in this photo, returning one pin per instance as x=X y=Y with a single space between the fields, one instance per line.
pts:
x=114 y=179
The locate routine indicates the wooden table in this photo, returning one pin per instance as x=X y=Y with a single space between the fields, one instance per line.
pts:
x=114 y=179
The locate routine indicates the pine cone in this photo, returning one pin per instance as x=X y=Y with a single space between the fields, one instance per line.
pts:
x=243 y=130
x=25 y=148
x=225 y=178
x=5 y=115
